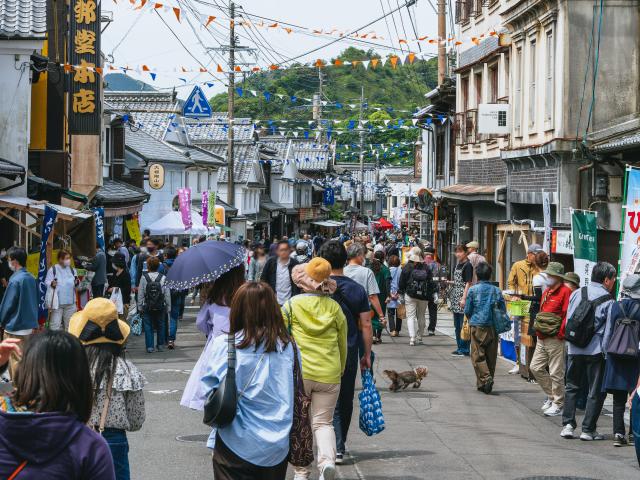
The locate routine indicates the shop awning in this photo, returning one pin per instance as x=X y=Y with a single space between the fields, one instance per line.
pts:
x=11 y=170
x=36 y=207
x=328 y=223
x=45 y=184
x=271 y=206
x=228 y=209
x=470 y=192
x=119 y=198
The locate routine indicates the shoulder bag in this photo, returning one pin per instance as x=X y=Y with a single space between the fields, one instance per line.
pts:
x=222 y=403
x=501 y=320
x=301 y=435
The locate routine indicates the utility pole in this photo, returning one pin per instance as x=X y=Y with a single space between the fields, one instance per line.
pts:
x=442 y=35
x=361 y=151
x=231 y=198
x=319 y=119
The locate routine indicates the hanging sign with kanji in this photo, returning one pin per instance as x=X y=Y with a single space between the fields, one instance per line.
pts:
x=85 y=71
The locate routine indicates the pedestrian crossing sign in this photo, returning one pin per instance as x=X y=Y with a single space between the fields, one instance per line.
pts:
x=196 y=105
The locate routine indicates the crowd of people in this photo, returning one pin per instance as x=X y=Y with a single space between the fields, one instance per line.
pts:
x=310 y=306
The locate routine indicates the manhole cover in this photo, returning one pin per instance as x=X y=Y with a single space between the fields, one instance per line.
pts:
x=554 y=478
x=201 y=438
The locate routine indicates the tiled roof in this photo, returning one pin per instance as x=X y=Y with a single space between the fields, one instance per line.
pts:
x=113 y=191
x=244 y=156
x=23 y=19
x=310 y=156
x=142 y=101
x=470 y=190
x=207 y=130
x=199 y=155
x=152 y=149
x=402 y=179
x=620 y=143
x=280 y=145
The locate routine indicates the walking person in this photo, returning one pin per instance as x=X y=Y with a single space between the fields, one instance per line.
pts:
x=621 y=373
x=154 y=304
x=257 y=264
x=255 y=445
x=120 y=281
x=475 y=258
x=395 y=323
x=414 y=285
x=383 y=280
x=118 y=401
x=547 y=364
x=364 y=276
x=43 y=422
x=277 y=272
x=479 y=306
x=462 y=278
x=589 y=360
x=319 y=327
x=62 y=278
x=432 y=307
x=635 y=419
x=19 y=308
x=177 y=298
x=97 y=265
x=354 y=302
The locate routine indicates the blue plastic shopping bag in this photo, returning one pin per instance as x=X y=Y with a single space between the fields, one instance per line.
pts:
x=371 y=418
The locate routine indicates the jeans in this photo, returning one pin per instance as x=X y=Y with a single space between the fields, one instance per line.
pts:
x=183 y=301
x=433 y=316
x=119 y=446
x=593 y=366
x=59 y=318
x=619 y=406
x=463 y=345
x=151 y=321
x=635 y=423
x=97 y=291
x=395 y=323
x=344 y=407
x=177 y=300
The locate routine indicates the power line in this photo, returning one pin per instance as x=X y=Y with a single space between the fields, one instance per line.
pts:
x=395 y=27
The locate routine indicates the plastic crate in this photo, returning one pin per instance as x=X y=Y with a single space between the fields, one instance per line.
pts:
x=518 y=308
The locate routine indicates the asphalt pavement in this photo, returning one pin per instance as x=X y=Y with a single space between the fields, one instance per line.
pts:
x=443 y=430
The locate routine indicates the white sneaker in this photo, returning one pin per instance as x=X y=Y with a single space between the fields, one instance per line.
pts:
x=328 y=472
x=547 y=403
x=591 y=436
x=553 y=411
x=514 y=370
x=412 y=342
x=567 y=431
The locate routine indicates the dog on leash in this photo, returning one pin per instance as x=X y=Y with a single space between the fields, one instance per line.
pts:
x=404 y=379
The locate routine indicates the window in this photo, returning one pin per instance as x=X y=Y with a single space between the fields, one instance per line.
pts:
x=186 y=179
x=493 y=83
x=532 y=84
x=465 y=94
x=478 y=85
x=549 y=71
x=506 y=75
x=517 y=91
x=440 y=153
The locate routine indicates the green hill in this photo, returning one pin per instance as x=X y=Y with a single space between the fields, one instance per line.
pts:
x=119 y=82
x=390 y=94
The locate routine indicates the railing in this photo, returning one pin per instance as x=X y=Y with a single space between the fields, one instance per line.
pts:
x=463 y=11
x=466 y=127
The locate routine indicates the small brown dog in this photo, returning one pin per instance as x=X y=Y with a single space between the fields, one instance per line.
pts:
x=404 y=379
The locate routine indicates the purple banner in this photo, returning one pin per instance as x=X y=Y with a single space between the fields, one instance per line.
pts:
x=205 y=208
x=184 y=200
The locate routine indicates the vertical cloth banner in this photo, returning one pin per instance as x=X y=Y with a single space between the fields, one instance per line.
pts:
x=133 y=227
x=118 y=230
x=546 y=212
x=584 y=230
x=98 y=215
x=48 y=222
x=211 y=218
x=630 y=235
x=205 y=208
x=184 y=200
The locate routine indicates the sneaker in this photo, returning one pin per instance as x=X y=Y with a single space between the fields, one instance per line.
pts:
x=328 y=472
x=547 y=403
x=488 y=387
x=394 y=333
x=339 y=458
x=619 y=440
x=456 y=353
x=514 y=370
x=412 y=342
x=553 y=411
x=567 y=431
x=150 y=350
x=160 y=348
x=171 y=345
x=431 y=333
x=591 y=436
x=630 y=439
x=420 y=342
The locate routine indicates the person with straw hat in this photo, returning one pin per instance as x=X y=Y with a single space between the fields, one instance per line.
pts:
x=118 y=404
x=547 y=364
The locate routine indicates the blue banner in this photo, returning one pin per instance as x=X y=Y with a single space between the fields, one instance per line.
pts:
x=98 y=215
x=329 y=196
x=49 y=220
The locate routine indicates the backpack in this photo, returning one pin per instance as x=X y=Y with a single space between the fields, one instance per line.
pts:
x=624 y=342
x=581 y=326
x=153 y=295
x=420 y=283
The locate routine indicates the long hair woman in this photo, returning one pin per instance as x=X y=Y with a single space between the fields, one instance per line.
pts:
x=118 y=400
x=256 y=443
x=212 y=321
x=43 y=423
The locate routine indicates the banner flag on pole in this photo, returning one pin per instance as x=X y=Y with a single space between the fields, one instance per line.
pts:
x=98 y=215
x=211 y=218
x=133 y=227
x=630 y=234
x=48 y=222
x=584 y=229
x=184 y=200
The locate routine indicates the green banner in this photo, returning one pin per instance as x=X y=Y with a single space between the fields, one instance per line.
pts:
x=211 y=212
x=584 y=228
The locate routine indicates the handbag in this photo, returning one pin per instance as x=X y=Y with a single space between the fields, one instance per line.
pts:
x=624 y=341
x=371 y=417
x=547 y=324
x=501 y=320
x=301 y=435
x=465 y=332
x=116 y=298
x=222 y=402
x=401 y=311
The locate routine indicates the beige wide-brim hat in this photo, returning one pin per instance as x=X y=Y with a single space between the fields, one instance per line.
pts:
x=98 y=323
x=415 y=255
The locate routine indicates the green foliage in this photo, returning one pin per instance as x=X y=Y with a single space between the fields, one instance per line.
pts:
x=390 y=90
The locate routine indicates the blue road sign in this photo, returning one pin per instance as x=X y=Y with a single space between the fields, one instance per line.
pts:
x=196 y=105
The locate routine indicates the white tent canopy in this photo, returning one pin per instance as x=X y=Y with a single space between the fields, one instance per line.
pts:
x=171 y=224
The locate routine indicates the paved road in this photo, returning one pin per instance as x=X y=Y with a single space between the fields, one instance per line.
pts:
x=444 y=430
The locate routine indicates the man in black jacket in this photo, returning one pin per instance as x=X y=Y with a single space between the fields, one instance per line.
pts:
x=277 y=273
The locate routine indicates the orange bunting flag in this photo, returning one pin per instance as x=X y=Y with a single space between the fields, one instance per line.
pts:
x=219 y=69
x=288 y=30
x=364 y=35
x=145 y=68
x=272 y=67
x=184 y=69
x=423 y=38
x=319 y=63
x=255 y=69
x=337 y=62
x=493 y=33
x=394 y=61
x=176 y=10
x=374 y=62
x=432 y=41
x=158 y=5
x=355 y=62
x=132 y=2
x=237 y=69
x=274 y=25
x=209 y=20
x=402 y=40
x=317 y=31
x=411 y=57
x=203 y=70
x=475 y=40
x=458 y=43
x=98 y=70
x=142 y=4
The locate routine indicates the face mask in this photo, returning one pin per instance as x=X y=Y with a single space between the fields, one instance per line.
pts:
x=66 y=262
x=14 y=266
x=111 y=252
x=550 y=282
x=151 y=249
x=3 y=253
x=143 y=249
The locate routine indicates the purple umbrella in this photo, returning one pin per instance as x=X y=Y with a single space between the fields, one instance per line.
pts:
x=203 y=263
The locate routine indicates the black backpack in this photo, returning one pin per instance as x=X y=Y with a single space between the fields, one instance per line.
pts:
x=420 y=284
x=153 y=295
x=581 y=326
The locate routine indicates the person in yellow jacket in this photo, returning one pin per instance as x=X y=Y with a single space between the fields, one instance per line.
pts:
x=523 y=271
x=319 y=327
